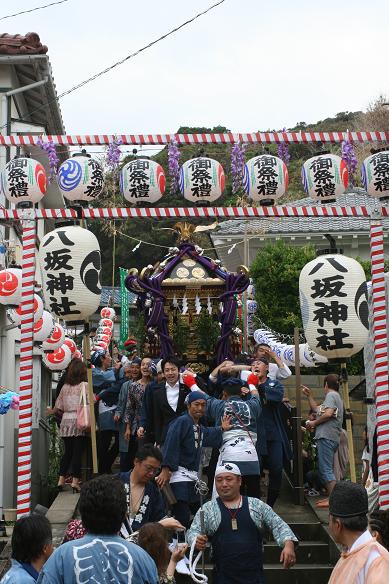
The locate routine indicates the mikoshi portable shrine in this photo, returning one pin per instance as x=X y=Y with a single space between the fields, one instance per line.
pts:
x=28 y=217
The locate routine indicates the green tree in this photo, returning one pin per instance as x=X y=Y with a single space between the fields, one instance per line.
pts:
x=275 y=273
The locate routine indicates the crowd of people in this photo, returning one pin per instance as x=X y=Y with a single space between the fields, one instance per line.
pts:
x=192 y=453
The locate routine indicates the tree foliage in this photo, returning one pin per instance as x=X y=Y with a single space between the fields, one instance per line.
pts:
x=275 y=273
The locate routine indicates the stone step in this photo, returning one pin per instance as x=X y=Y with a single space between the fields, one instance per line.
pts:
x=308 y=552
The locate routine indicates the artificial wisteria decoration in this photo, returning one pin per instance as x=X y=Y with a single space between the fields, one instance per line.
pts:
x=237 y=166
x=348 y=155
x=283 y=151
x=51 y=151
x=8 y=400
x=174 y=156
x=113 y=154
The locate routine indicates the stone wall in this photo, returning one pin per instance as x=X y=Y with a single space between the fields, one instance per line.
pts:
x=358 y=408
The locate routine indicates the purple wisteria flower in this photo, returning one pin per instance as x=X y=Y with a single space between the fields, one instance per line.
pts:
x=174 y=156
x=283 y=151
x=237 y=166
x=113 y=154
x=51 y=151
x=348 y=155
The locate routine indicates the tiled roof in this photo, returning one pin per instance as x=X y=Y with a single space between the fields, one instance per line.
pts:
x=17 y=44
x=106 y=293
x=305 y=224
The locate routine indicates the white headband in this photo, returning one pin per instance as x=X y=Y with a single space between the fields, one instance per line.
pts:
x=228 y=467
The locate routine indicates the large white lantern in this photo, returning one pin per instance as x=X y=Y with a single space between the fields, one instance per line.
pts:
x=334 y=309
x=24 y=179
x=44 y=327
x=71 y=344
x=11 y=286
x=201 y=179
x=142 y=181
x=375 y=175
x=15 y=315
x=55 y=340
x=265 y=178
x=324 y=177
x=59 y=359
x=70 y=263
x=80 y=178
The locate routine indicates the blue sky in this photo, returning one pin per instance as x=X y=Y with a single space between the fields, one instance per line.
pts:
x=248 y=64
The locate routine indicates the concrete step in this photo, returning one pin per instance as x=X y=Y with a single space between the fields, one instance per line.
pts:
x=299 y=574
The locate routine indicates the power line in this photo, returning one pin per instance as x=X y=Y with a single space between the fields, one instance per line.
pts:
x=33 y=9
x=104 y=71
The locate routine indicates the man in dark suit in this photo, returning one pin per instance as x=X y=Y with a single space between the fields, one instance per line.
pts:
x=168 y=399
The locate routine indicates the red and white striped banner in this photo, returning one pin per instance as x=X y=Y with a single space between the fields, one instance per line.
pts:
x=226 y=138
x=26 y=365
x=381 y=358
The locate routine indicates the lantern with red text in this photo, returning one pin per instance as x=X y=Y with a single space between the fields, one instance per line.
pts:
x=77 y=355
x=201 y=179
x=71 y=344
x=334 y=309
x=265 y=178
x=15 y=315
x=142 y=181
x=44 y=327
x=70 y=263
x=24 y=179
x=106 y=322
x=100 y=345
x=104 y=338
x=375 y=175
x=324 y=177
x=107 y=312
x=80 y=178
x=59 y=359
x=11 y=286
x=55 y=340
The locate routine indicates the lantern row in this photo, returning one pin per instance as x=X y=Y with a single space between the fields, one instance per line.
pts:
x=201 y=179
x=225 y=138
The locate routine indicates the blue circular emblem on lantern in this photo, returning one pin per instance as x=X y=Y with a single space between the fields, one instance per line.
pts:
x=69 y=175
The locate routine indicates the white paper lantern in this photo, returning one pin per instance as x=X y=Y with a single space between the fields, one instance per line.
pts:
x=55 y=340
x=265 y=178
x=70 y=263
x=106 y=323
x=201 y=179
x=11 y=286
x=107 y=312
x=77 y=355
x=71 y=344
x=104 y=338
x=100 y=346
x=142 y=181
x=324 y=177
x=80 y=178
x=105 y=330
x=59 y=359
x=44 y=327
x=14 y=315
x=334 y=309
x=24 y=179
x=375 y=175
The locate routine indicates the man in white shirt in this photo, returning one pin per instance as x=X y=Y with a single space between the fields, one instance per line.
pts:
x=364 y=560
x=168 y=399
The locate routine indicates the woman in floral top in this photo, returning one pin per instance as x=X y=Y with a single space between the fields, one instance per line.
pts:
x=132 y=412
x=73 y=438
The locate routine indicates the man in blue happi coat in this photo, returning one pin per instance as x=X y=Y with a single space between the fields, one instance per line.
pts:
x=239 y=441
x=274 y=444
x=182 y=451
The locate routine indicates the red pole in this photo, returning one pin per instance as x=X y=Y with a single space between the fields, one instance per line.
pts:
x=381 y=358
x=26 y=363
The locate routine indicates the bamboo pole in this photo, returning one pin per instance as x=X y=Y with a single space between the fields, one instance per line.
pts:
x=349 y=428
x=299 y=436
x=91 y=398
